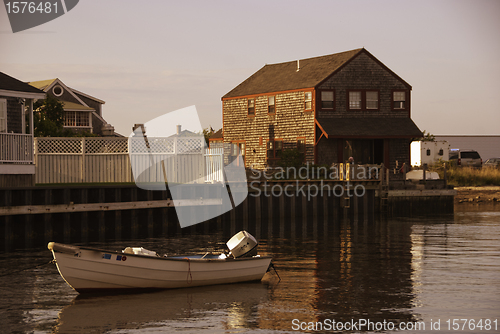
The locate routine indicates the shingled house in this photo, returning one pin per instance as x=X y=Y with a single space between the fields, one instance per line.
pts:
x=82 y=112
x=331 y=108
x=17 y=166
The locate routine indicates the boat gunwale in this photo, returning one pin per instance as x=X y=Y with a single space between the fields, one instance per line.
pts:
x=184 y=258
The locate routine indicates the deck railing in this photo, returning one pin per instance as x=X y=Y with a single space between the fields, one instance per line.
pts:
x=16 y=148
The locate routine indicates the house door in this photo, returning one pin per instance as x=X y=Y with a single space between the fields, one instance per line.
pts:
x=361 y=150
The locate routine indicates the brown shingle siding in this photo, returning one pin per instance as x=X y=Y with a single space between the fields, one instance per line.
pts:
x=289 y=115
x=363 y=73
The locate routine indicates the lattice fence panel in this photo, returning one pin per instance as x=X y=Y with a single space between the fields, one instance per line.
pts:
x=106 y=145
x=59 y=145
x=189 y=145
x=162 y=145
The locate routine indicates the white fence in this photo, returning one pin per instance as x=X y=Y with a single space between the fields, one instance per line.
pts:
x=16 y=148
x=90 y=160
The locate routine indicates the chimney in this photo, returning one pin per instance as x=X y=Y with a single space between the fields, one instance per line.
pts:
x=138 y=129
x=298 y=65
x=179 y=129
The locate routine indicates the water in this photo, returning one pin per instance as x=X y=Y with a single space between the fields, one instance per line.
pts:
x=425 y=273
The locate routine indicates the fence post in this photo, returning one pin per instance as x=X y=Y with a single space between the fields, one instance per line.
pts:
x=445 y=177
x=82 y=161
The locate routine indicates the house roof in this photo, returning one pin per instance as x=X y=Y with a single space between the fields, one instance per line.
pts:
x=369 y=127
x=217 y=135
x=42 y=84
x=284 y=76
x=71 y=106
x=10 y=86
x=45 y=85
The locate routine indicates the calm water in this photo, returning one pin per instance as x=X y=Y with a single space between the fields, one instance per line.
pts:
x=410 y=272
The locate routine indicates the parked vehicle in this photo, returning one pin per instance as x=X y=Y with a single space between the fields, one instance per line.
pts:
x=492 y=162
x=466 y=158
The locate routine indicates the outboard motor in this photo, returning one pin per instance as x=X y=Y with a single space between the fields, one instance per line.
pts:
x=242 y=244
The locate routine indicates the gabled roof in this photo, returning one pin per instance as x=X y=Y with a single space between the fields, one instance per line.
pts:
x=43 y=84
x=46 y=85
x=71 y=106
x=284 y=76
x=10 y=86
x=216 y=135
x=369 y=127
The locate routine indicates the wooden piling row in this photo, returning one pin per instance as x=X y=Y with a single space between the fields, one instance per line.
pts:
x=262 y=214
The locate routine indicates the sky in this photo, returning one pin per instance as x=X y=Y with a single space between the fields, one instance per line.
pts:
x=148 y=58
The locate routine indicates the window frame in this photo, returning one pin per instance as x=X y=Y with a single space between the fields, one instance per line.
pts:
x=273 y=141
x=349 y=91
x=393 y=101
x=305 y=146
x=321 y=99
x=3 y=119
x=243 y=150
x=366 y=99
x=311 y=100
x=250 y=114
x=76 y=119
x=363 y=99
x=273 y=105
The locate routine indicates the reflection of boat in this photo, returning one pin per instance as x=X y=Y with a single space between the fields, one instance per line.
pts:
x=90 y=269
x=160 y=309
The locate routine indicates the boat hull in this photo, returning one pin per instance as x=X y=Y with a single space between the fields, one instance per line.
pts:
x=90 y=270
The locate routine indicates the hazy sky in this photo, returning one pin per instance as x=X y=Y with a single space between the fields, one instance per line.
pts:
x=147 y=58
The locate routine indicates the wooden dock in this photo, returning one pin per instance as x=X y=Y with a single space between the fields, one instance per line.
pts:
x=34 y=216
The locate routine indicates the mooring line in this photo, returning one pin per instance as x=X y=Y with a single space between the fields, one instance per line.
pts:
x=28 y=268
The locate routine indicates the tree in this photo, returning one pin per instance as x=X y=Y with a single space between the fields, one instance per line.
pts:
x=291 y=158
x=428 y=137
x=48 y=118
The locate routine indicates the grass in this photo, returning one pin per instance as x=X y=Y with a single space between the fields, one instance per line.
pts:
x=467 y=176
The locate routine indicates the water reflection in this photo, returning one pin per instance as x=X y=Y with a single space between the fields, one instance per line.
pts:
x=156 y=309
x=397 y=270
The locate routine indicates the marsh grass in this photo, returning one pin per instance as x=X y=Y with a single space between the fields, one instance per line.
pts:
x=467 y=176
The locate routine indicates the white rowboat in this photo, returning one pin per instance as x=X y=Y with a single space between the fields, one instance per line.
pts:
x=91 y=270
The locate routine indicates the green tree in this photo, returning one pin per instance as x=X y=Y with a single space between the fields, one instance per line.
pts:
x=428 y=137
x=48 y=118
x=291 y=158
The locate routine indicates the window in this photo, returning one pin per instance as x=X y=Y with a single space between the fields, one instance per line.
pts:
x=327 y=99
x=399 y=100
x=251 y=107
x=270 y=105
x=274 y=148
x=237 y=148
x=76 y=118
x=301 y=147
x=372 y=100
x=355 y=100
x=308 y=100
x=363 y=100
x=428 y=152
x=3 y=115
x=57 y=90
